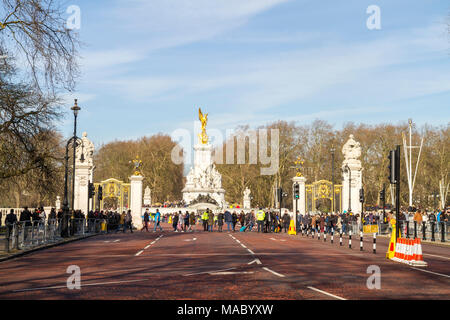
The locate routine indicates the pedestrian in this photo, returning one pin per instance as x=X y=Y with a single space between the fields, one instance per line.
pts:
x=146 y=220
x=210 y=221
x=157 y=221
x=175 y=222
x=251 y=221
x=205 y=217
x=286 y=221
x=260 y=216
x=10 y=220
x=192 y=221
x=220 y=218
x=234 y=219
x=228 y=219
x=128 y=221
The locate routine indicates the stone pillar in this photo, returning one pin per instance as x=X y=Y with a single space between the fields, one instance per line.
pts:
x=351 y=167
x=301 y=203
x=136 y=200
x=83 y=174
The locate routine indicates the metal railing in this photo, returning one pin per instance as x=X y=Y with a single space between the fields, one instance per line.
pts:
x=25 y=235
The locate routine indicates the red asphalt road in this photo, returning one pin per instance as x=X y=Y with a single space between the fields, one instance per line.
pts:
x=216 y=266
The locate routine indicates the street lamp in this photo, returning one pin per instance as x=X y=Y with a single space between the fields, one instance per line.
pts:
x=332 y=178
x=347 y=169
x=73 y=140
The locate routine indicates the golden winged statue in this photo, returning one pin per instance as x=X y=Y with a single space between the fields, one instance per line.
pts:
x=204 y=120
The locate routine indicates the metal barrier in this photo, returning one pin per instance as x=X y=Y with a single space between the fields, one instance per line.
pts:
x=25 y=235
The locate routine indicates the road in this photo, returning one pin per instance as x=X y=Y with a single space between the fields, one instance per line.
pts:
x=202 y=265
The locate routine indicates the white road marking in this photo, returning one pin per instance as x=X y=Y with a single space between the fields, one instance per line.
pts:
x=116 y=240
x=243 y=246
x=256 y=260
x=152 y=242
x=139 y=253
x=193 y=274
x=326 y=293
x=434 y=255
x=275 y=273
x=229 y=272
x=250 y=251
x=147 y=247
x=83 y=285
x=438 y=274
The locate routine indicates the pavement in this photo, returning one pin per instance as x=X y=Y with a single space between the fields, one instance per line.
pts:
x=222 y=266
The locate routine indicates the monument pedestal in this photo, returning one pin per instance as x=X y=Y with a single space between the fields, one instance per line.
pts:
x=203 y=180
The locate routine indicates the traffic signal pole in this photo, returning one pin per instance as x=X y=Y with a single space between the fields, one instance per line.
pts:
x=397 y=190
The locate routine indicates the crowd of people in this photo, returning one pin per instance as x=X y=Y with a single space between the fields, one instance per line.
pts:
x=262 y=220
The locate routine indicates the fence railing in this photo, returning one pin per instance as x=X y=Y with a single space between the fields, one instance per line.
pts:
x=25 y=235
x=433 y=231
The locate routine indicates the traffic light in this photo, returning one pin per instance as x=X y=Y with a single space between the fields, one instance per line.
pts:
x=91 y=190
x=100 y=193
x=382 y=196
x=361 y=195
x=392 y=167
x=296 y=191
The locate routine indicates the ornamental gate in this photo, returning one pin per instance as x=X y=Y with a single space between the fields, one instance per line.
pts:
x=116 y=195
x=320 y=197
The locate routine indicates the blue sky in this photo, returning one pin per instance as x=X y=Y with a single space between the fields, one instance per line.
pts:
x=148 y=65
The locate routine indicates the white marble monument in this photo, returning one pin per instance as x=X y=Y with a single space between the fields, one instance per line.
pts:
x=247 y=199
x=352 y=169
x=204 y=182
x=84 y=173
x=147 y=197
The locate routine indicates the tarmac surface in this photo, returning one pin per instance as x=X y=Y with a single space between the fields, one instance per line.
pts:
x=222 y=266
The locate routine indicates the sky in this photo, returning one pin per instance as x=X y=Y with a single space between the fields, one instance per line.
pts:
x=147 y=66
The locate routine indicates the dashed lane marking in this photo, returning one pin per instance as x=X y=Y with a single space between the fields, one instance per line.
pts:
x=326 y=293
x=139 y=253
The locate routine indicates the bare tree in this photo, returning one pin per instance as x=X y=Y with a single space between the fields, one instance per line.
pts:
x=35 y=31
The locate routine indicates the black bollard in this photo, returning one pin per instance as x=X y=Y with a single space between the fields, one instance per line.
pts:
x=332 y=236
x=432 y=231
x=415 y=229
x=374 y=243
x=407 y=229
x=360 y=241
x=340 y=239
x=442 y=231
x=424 y=236
x=324 y=236
x=350 y=239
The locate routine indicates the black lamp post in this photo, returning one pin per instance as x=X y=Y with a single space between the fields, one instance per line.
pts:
x=73 y=140
x=347 y=168
x=333 y=206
